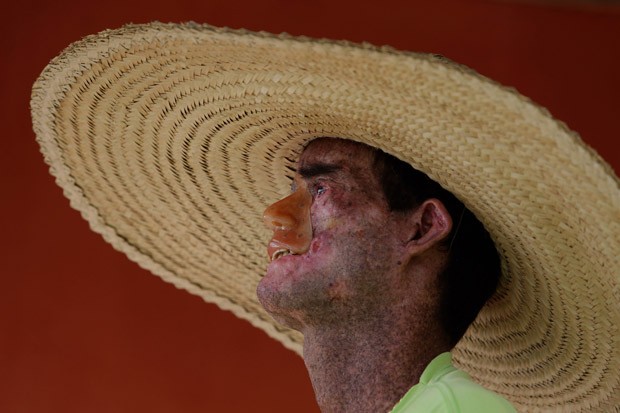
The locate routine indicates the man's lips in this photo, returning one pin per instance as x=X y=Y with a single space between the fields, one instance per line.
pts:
x=280 y=253
x=276 y=250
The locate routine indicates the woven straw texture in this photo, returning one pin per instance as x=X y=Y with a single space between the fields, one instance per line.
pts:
x=172 y=139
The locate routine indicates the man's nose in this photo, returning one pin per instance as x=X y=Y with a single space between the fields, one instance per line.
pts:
x=290 y=221
x=289 y=212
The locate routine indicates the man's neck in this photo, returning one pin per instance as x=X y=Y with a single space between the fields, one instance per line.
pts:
x=368 y=366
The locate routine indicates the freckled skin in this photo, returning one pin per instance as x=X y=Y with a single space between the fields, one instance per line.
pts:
x=364 y=291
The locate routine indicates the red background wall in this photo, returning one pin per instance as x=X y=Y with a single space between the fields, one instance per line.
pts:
x=82 y=329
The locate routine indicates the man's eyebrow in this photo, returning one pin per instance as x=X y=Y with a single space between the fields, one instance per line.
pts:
x=315 y=169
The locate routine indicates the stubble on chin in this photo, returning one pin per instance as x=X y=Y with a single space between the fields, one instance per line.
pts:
x=294 y=300
x=341 y=291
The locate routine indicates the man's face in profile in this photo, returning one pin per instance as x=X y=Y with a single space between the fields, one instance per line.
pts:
x=336 y=247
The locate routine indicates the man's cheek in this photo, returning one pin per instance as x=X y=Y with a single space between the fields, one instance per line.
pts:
x=325 y=222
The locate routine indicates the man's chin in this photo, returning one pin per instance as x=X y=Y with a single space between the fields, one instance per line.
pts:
x=278 y=304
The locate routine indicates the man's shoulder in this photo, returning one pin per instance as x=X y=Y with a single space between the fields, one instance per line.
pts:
x=446 y=389
x=462 y=396
x=467 y=396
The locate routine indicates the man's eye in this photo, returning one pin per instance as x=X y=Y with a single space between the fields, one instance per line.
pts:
x=319 y=189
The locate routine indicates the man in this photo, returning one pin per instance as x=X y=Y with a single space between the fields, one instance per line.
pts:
x=172 y=139
x=364 y=284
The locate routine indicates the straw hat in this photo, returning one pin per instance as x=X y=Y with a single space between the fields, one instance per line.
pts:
x=172 y=139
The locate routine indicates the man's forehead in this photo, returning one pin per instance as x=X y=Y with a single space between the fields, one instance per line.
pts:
x=336 y=151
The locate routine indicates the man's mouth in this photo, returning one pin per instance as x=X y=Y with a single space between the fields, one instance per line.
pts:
x=282 y=252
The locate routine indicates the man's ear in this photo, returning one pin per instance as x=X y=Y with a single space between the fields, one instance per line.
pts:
x=431 y=223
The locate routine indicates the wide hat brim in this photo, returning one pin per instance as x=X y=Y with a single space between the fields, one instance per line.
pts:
x=172 y=139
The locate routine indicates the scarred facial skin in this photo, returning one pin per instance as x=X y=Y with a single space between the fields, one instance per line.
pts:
x=348 y=249
x=351 y=238
x=358 y=280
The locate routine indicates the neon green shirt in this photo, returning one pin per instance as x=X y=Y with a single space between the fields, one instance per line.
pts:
x=445 y=389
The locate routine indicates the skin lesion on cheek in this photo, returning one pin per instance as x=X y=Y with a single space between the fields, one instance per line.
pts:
x=336 y=290
x=340 y=207
x=332 y=223
x=324 y=215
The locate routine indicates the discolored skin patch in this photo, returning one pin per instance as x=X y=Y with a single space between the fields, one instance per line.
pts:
x=336 y=290
x=289 y=219
x=347 y=208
